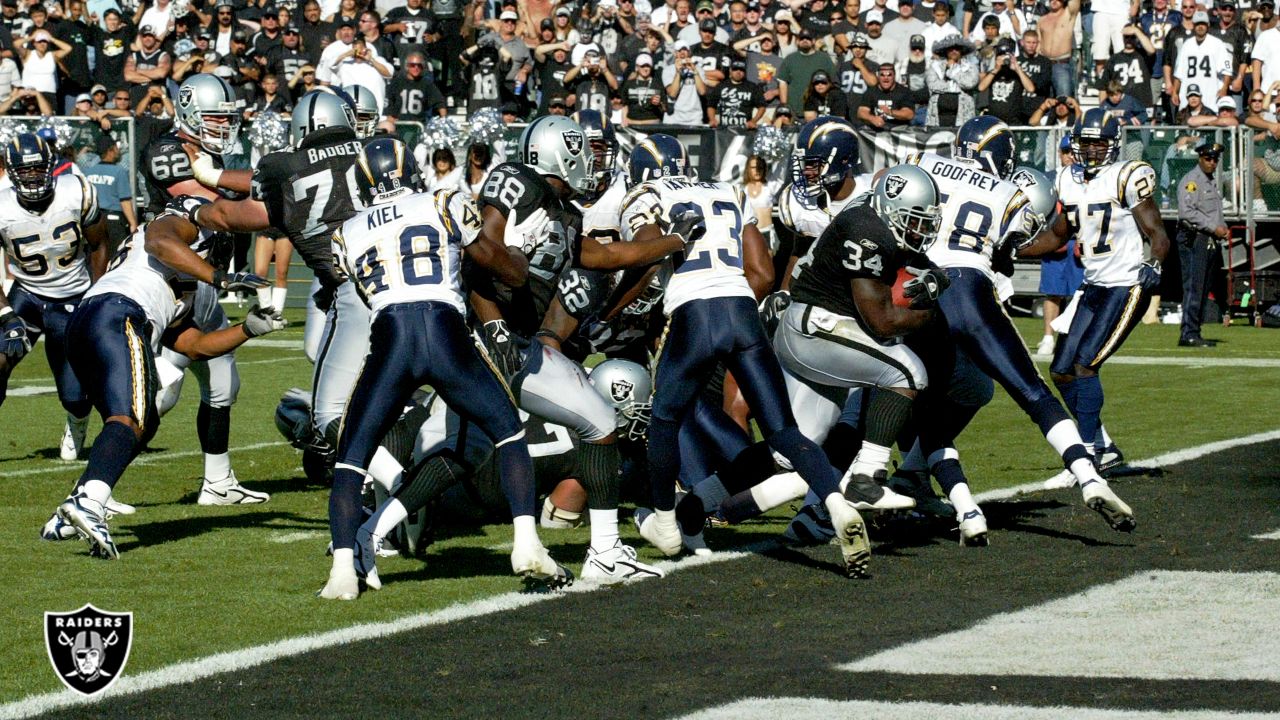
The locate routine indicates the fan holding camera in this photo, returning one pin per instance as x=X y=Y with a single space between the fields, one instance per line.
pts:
x=1009 y=85
x=1062 y=111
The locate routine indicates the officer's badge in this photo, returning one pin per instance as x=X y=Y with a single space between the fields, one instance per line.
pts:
x=88 y=647
x=1191 y=186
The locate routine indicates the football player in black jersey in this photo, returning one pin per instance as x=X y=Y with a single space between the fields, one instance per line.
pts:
x=208 y=119
x=307 y=193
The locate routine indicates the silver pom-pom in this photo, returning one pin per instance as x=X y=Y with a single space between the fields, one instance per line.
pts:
x=268 y=132
x=487 y=126
x=770 y=143
x=444 y=132
x=8 y=130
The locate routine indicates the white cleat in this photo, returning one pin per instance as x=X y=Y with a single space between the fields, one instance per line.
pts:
x=973 y=529
x=368 y=546
x=115 y=507
x=343 y=585
x=57 y=529
x=617 y=564
x=1046 y=345
x=665 y=537
x=73 y=438
x=1061 y=481
x=87 y=517
x=851 y=533
x=534 y=564
x=1102 y=500
x=229 y=491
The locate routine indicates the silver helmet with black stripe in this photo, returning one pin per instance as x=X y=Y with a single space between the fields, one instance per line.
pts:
x=555 y=145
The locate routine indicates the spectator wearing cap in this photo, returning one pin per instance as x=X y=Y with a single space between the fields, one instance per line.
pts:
x=269 y=36
x=361 y=65
x=557 y=105
x=1008 y=86
x=1202 y=51
x=1057 y=43
x=562 y=21
x=685 y=88
x=1232 y=32
x=18 y=24
x=887 y=104
x=752 y=28
x=705 y=29
x=115 y=196
x=316 y=33
x=591 y=83
x=881 y=49
x=188 y=62
x=824 y=97
x=762 y=66
x=940 y=27
x=784 y=31
x=551 y=63
x=1200 y=229
x=25 y=101
x=643 y=95
x=1058 y=112
x=288 y=57
x=224 y=26
x=1228 y=115
x=736 y=105
x=1157 y=23
x=711 y=55
x=413 y=94
x=40 y=53
x=857 y=74
x=799 y=68
x=915 y=77
x=344 y=37
x=879 y=10
x=953 y=75
x=1193 y=107
x=1131 y=67
x=157 y=15
x=517 y=75
x=100 y=97
x=303 y=81
x=899 y=31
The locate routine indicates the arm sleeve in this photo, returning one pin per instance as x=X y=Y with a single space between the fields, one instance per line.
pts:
x=1138 y=186
x=463 y=213
x=639 y=208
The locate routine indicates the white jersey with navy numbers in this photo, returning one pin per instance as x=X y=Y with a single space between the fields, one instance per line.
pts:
x=979 y=212
x=1099 y=210
x=600 y=219
x=409 y=249
x=712 y=266
x=46 y=250
x=808 y=221
x=164 y=294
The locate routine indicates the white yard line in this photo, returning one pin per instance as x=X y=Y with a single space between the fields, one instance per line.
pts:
x=253 y=656
x=144 y=460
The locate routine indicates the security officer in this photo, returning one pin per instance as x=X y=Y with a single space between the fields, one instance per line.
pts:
x=1200 y=227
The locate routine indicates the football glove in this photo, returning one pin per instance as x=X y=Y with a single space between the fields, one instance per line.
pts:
x=323 y=298
x=238 y=281
x=925 y=288
x=185 y=206
x=503 y=348
x=262 y=320
x=688 y=225
x=771 y=309
x=529 y=233
x=1149 y=275
x=14 y=341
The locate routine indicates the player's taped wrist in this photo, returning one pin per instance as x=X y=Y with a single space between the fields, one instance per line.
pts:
x=206 y=173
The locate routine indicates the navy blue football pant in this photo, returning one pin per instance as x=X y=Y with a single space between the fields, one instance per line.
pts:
x=50 y=317
x=410 y=345
x=699 y=335
x=114 y=360
x=974 y=321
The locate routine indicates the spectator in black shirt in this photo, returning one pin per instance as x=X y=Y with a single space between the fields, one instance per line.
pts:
x=592 y=83
x=413 y=26
x=917 y=77
x=316 y=33
x=111 y=49
x=737 y=105
x=823 y=98
x=412 y=95
x=75 y=78
x=551 y=62
x=644 y=95
x=1132 y=66
x=269 y=36
x=1036 y=66
x=888 y=104
x=1008 y=84
x=287 y=58
x=709 y=55
x=371 y=28
x=269 y=100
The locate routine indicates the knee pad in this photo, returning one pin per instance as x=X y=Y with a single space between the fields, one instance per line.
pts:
x=171 y=377
x=293 y=417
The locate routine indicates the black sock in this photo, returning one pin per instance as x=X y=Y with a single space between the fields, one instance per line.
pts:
x=749 y=468
x=213 y=425
x=887 y=413
x=842 y=444
x=112 y=451
x=740 y=507
x=600 y=474
x=428 y=482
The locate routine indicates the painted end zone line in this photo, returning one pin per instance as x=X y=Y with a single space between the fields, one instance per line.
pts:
x=250 y=657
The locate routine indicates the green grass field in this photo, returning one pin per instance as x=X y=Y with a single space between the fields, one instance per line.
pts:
x=203 y=580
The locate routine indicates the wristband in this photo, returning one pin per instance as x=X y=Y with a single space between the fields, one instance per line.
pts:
x=549 y=333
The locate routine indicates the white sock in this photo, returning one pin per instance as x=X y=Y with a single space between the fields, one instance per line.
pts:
x=264 y=296
x=962 y=499
x=1063 y=435
x=870 y=459
x=665 y=518
x=384 y=469
x=604 y=529
x=1106 y=438
x=526 y=530
x=778 y=489
x=97 y=491
x=391 y=514
x=344 y=561
x=217 y=467
x=1084 y=471
x=914 y=460
x=278 y=297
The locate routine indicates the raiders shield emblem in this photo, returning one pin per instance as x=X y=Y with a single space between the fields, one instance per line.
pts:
x=1023 y=179
x=573 y=141
x=184 y=96
x=88 y=647
x=893 y=186
x=621 y=390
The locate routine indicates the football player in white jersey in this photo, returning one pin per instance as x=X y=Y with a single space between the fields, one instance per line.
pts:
x=711 y=292
x=403 y=254
x=141 y=303
x=56 y=245
x=1110 y=207
x=973 y=228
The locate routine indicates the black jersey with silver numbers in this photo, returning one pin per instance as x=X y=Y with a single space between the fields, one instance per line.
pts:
x=516 y=188
x=857 y=244
x=310 y=192
x=165 y=164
